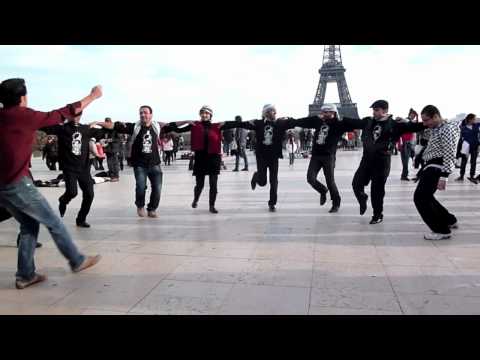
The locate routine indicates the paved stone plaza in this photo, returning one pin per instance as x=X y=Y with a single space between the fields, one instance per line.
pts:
x=245 y=260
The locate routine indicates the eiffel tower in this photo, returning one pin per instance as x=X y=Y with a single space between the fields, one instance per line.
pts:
x=332 y=70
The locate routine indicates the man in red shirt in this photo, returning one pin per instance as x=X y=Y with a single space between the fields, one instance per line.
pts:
x=18 y=195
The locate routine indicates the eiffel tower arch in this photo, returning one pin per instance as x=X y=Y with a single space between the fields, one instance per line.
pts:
x=332 y=70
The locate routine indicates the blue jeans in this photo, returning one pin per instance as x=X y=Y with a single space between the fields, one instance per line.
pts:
x=30 y=209
x=155 y=176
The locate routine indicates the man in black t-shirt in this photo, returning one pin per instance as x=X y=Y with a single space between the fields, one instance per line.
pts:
x=73 y=154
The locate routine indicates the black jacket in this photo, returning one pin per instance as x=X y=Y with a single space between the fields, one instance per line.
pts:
x=113 y=141
x=269 y=135
x=50 y=150
x=328 y=132
x=379 y=136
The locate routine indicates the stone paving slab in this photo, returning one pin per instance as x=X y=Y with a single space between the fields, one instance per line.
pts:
x=246 y=260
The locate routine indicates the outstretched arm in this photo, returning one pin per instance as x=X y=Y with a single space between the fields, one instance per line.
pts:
x=351 y=124
x=42 y=119
x=408 y=127
x=249 y=125
x=309 y=122
x=173 y=126
x=52 y=130
x=225 y=125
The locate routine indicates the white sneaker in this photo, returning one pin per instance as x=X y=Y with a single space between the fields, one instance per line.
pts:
x=453 y=226
x=436 y=236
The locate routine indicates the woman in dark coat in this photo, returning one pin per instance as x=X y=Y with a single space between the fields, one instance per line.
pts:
x=206 y=143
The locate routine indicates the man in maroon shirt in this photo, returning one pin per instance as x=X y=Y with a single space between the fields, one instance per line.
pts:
x=18 y=195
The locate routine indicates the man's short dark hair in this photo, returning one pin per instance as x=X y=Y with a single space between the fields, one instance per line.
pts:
x=430 y=111
x=470 y=117
x=148 y=107
x=107 y=119
x=11 y=91
x=238 y=118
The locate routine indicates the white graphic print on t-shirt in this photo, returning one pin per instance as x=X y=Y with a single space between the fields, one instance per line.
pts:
x=77 y=143
x=322 y=134
x=147 y=143
x=268 y=135
x=377 y=132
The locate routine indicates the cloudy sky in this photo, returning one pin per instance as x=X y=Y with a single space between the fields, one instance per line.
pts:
x=177 y=80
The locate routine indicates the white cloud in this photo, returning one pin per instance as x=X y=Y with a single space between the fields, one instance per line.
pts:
x=177 y=80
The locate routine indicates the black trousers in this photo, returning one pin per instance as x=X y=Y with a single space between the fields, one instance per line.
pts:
x=52 y=162
x=473 y=163
x=85 y=182
x=260 y=176
x=113 y=165
x=327 y=163
x=435 y=215
x=405 y=155
x=291 y=158
x=120 y=160
x=4 y=214
x=241 y=153
x=375 y=169
x=168 y=156
x=213 y=180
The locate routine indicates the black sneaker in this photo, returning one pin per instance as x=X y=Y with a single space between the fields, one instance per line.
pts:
x=473 y=180
x=62 y=208
x=194 y=204
x=334 y=209
x=83 y=224
x=271 y=208
x=363 y=204
x=235 y=170
x=244 y=169
x=376 y=219
x=323 y=198
x=253 y=182
x=460 y=178
x=404 y=179
x=213 y=210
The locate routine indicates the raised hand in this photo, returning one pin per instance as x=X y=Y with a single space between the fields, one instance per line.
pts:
x=96 y=91
x=442 y=184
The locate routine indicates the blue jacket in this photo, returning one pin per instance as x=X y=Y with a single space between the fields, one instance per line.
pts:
x=471 y=135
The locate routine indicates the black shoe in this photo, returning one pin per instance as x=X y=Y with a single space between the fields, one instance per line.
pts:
x=323 y=198
x=62 y=208
x=334 y=209
x=213 y=210
x=235 y=170
x=83 y=224
x=194 y=204
x=271 y=208
x=253 y=182
x=245 y=169
x=376 y=219
x=363 y=204
x=460 y=178
x=404 y=179
x=473 y=180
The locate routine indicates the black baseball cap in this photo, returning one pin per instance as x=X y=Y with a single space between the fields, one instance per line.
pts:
x=382 y=104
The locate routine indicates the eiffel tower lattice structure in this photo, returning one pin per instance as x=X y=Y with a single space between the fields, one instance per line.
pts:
x=332 y=70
